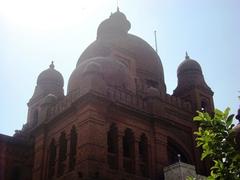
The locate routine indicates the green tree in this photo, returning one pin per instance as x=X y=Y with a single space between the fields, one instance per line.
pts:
x=217 y=137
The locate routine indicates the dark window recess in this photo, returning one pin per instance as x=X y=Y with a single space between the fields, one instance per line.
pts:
x=173 y=154
x=16 y=173
x=128 y=151
x=62 y=154
x=203 y=106
x=35 y=117
x=112 y=142
x=73 y=149
x=151 y=83
x=143 y=155
x=52 y=159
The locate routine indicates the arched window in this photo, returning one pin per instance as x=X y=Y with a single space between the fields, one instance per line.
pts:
x=174 y=150
x=52 y=159
x=112 y=143
x=16 y=173
x=35 y=117
x=204 y=106
x=73 y=148
x=143 y=155
x=128 y=151
x=62 y=153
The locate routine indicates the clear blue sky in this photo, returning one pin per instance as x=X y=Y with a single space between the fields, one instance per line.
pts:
x=33 y=33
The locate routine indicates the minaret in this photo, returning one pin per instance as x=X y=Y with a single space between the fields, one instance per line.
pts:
x=49 y=82
x=192 y=86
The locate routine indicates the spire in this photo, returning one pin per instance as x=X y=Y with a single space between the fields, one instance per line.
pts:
x=187 y=57
x=51 y=65
x=117 y=6
x=155 y=36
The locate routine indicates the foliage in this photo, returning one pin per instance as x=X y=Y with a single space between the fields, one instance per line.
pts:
x=216 y=136
x=190 y=178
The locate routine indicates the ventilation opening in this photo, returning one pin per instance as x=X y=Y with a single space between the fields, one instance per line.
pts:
x=128 y=151
x=112 y=142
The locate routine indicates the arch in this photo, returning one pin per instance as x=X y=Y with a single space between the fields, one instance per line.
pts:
x=143 y=155
x=62 y=155
x=112 y=144
x=176 y=147
x=73 y=149
x=204 y=105
x=52 y=151
x=35 y=117
x=129 y=151
x=16 y=173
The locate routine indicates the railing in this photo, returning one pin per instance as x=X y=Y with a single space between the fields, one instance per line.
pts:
x=120 y=96
x=64 y=104
x=127 y=98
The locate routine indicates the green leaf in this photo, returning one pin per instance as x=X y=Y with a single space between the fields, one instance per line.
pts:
x=190 y=178
x=205 y=154
x=197 y=118
x=226 y=112
x=229 y=120
x=218 y=112
x=216 y=137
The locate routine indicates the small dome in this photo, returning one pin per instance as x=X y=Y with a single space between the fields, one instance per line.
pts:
x=50 y=99
x=117 y=23
x=112 y=70
x=92 y=67
x=50 y=75
x=152 y=92
x=190 y=75
x=49 y=81
x=189 y=65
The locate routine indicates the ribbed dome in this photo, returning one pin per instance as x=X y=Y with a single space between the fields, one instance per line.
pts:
x=189 y=65
x=50 y=75
x=146 y=58
x=50 y=81
x=190 y=75
x=140 y=58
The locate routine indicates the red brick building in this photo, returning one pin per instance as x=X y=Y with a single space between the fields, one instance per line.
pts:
x=116 y=120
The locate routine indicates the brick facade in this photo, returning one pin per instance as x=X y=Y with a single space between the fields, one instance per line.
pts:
x=116 y=121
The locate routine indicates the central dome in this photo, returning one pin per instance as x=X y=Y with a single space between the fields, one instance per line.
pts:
x=114 y=40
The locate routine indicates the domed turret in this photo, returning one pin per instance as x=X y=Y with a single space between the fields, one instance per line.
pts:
x=189 y=66
x=50 y=81
x=50 y=75
x=192 y=86
x=190 y=74
x=135 y=55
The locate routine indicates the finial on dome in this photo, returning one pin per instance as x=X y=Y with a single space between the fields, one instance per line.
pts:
x=117 y=6
x=52 y=65
x=179 y=157
x=187 y=56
